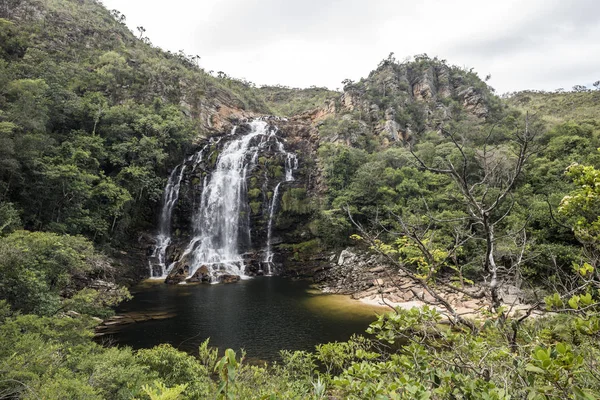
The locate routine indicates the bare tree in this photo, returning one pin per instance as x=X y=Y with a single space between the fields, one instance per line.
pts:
x=141 y=31
x=488 y=209
x=486 y=180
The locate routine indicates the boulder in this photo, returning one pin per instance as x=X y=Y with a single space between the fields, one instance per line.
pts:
x=226 y=278
x=202 y=274
x=178 y=275
x=345 y=255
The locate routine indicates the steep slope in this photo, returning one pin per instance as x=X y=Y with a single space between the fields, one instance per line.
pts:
x=400 y=100
x=92 y=119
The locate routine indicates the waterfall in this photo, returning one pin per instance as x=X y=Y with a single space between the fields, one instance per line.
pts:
x=163 y=239
x=169 y=200
x=291 y=163
x=268 y=258
x=221 y=221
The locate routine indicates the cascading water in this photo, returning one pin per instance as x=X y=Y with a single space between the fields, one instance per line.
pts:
x=291 y=163
x=268 y=258
x=170 y=197
x=221 y=223
x=163 y=239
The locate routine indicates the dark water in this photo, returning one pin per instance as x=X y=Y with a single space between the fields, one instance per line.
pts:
x=261 y=315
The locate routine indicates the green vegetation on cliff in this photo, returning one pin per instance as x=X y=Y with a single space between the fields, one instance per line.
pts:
x=91 y=118
x=287 y=102
x=420 y=159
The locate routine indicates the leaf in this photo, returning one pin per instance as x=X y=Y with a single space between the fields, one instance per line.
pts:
x=586 y=299
x=574 y=302
x=561 y=348
x=534 y=369
x=541 y=354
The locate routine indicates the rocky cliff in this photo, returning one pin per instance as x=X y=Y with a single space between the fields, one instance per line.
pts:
x=273 y=162
x=399 y=101
x=395 y=104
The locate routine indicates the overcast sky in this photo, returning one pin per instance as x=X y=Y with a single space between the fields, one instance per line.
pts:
x=523 y=44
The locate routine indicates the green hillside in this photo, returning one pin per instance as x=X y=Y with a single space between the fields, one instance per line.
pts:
x=287 y=102
x=483 y=209
x=92 y=117
x=559 y=107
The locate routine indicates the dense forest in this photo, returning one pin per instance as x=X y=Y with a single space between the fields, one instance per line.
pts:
x=461 y=191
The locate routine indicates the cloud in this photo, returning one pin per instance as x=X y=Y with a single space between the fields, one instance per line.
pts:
x=538 y=44
x=545 y=26
x=240 y=24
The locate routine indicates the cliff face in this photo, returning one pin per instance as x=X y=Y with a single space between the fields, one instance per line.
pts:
x=398 y=101
x=237 y=197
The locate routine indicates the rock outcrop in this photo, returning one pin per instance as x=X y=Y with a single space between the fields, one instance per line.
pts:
x=399 y=100
x=368 y=278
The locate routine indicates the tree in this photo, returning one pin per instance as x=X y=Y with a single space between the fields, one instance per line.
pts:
x=485 y=179
x=29 y=103
x=38 y=269
x=118 y=16
x=141 y=30
x=581 y=207
x=9 y=218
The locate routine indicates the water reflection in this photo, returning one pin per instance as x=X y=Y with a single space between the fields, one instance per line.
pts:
x=261 y=315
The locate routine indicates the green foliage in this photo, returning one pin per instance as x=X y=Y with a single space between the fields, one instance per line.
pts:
x=9 y=218
x=583 y=204
x=338 y=356
x=254 y=193
x=558 y=107
x=159 y=391
x=94 y=302
x=295 y=201
x=255 y=206
x=227 y=368
x=89 y=126
x=37 y=269
x=303 y=250
x=54 y=357
x=90 y=120
x=178 y=369
x=287 y=102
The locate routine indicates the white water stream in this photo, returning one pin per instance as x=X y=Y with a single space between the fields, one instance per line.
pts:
x=221 y=223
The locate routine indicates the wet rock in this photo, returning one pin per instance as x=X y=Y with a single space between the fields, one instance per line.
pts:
x=202 y=274
x=226 y=278
x=178 y=275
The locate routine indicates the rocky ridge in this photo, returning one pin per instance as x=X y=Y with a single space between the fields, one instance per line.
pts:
x=400 y=100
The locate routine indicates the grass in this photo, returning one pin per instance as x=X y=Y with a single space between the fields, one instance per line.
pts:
x=556 y=108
